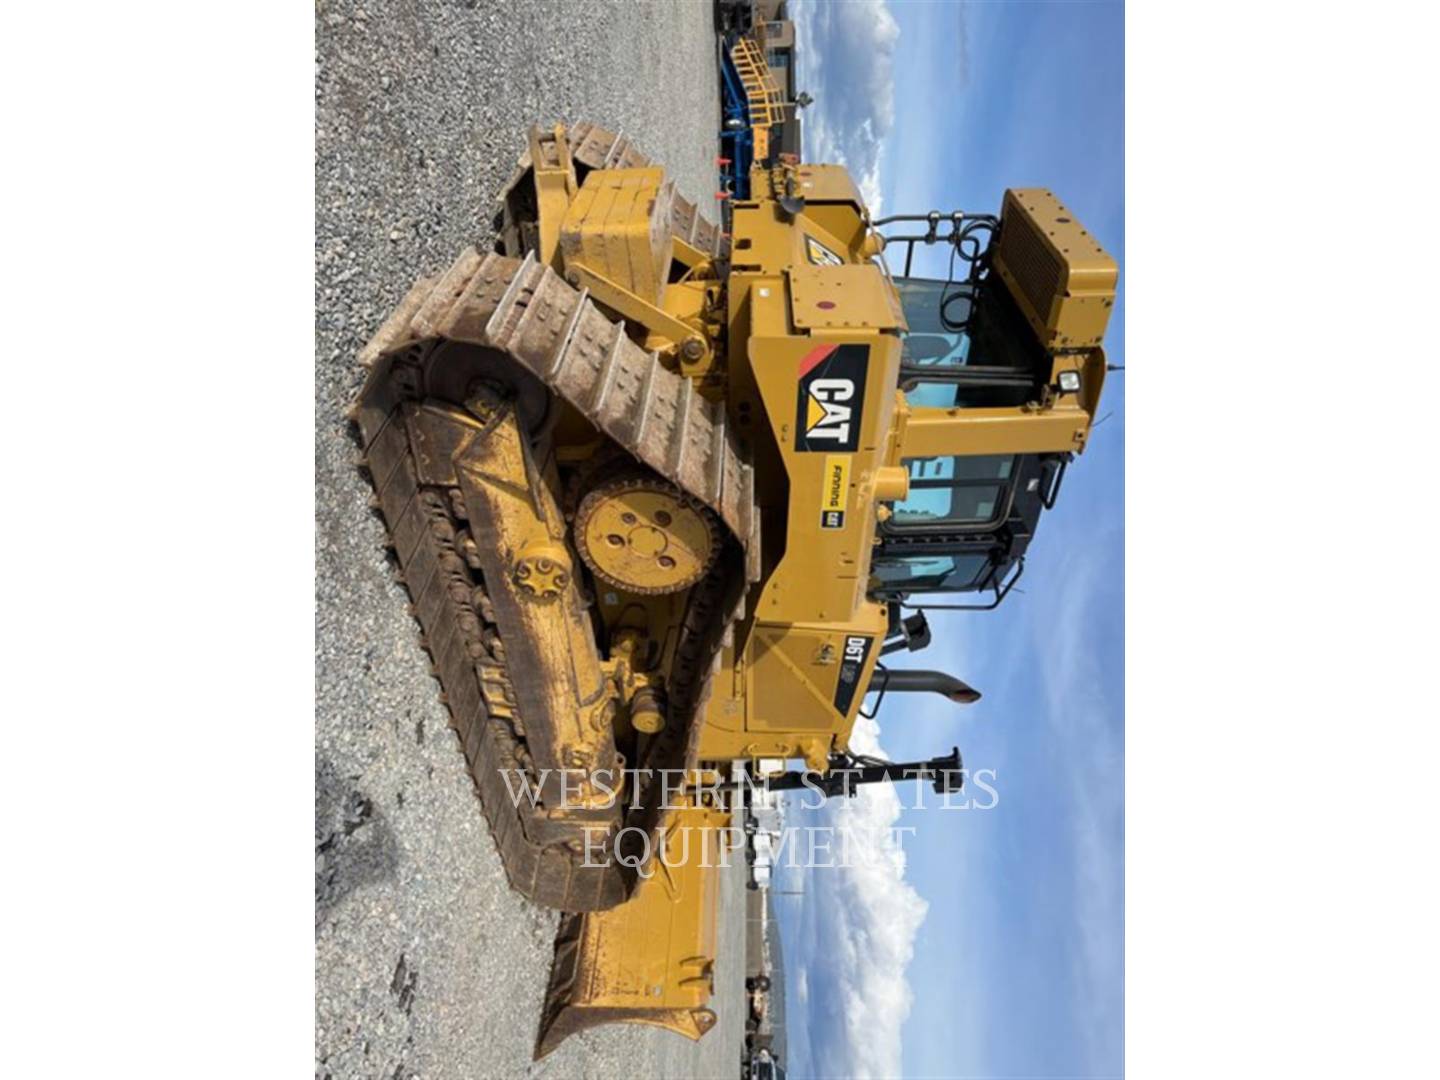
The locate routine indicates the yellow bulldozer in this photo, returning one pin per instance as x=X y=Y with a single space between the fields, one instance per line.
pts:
x=663 y=495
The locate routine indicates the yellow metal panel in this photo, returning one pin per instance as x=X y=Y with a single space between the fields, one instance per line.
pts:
x=933 y=432
x=840 y=220
x=614 y=229
x=811 y=392
x=1092 y=381
x=769 y=312
x=792 y=675
x=855 y=296
x=828 y=183
x=782 y=695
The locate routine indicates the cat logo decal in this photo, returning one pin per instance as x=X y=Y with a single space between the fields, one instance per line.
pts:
x=831 y=398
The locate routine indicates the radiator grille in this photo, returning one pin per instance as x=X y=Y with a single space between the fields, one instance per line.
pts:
x=1036 y=269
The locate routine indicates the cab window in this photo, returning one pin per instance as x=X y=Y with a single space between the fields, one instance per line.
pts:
x=930 y=573
x=966 y=346
x=929 y=343
x=954 y=491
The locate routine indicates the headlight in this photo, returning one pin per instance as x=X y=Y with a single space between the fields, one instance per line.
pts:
x=1069 y=382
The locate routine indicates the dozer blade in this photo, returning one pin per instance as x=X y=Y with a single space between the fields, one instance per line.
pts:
x=650 y=960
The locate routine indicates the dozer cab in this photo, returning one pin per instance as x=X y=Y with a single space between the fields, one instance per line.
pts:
x=662 y=497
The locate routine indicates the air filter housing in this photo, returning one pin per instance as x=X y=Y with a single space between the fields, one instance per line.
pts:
x=1062 y=280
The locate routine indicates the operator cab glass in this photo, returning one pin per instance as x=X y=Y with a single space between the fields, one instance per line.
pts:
x=956 y=492
x=931 y=573
x=943 y=536
x=964 y=526
x=966 y=346
x=929 y=343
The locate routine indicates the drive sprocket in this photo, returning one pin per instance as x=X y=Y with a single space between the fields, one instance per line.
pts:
x=641 y=533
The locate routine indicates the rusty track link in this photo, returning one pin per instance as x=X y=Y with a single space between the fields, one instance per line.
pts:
x=496 y=317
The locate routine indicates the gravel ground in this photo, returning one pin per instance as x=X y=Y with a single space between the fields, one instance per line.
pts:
x=426 y=965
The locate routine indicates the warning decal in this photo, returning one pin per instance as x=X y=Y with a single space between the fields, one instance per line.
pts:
x=820 y=255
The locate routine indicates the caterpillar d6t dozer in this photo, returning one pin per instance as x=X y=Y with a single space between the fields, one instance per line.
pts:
x=662 y=498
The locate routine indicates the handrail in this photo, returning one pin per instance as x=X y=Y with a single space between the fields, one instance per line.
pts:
x=762 y=96
x=963 y=231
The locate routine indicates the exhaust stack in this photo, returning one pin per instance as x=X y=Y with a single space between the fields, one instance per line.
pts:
x=916 y=681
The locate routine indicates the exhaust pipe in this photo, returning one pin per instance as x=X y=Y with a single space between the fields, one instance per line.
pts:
x=915 y=681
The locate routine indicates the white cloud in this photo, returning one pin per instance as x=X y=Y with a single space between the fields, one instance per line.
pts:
x=855 y=933
x=845 y=55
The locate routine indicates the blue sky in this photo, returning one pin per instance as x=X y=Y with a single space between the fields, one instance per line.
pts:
x=992 y=945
